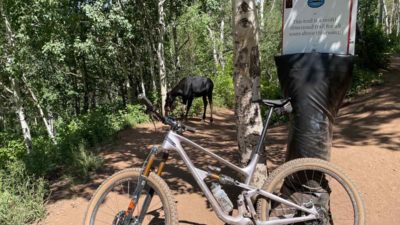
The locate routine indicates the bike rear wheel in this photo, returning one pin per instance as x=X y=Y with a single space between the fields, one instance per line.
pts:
x=312 y=182
x=112 y=198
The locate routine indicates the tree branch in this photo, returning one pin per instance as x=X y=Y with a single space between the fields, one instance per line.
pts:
x=73 y=74
x=184 y=43
x=1 y=95
x=6 y=88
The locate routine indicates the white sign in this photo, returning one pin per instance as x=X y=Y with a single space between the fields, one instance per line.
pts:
x=326 y=26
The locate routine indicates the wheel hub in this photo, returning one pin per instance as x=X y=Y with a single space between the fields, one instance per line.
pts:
x=119 y=218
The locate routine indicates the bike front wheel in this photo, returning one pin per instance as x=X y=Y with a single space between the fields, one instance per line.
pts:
x=109 y=204
x=312 y=183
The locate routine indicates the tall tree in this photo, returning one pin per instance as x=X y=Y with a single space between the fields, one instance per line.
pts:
x=247 y=82
x=47 y=122
x=15 y=88
x=161 y=56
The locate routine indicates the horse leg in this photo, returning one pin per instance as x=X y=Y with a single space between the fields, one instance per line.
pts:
x=205 y=107
x=183 y=107
x=211 y=106
x=189 y=104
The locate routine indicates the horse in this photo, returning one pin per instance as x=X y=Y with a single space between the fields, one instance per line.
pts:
x=189 y=88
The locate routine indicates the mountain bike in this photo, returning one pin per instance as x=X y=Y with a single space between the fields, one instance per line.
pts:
x=302 y=191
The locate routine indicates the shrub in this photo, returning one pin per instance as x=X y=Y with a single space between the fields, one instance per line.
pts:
x=77 y=142
x=363 y=79
x=43 y=159
x=373 y=48
x=78 y=139
x=394 y=43
x=83 y=162
x=224 y=92
x=134 y=115
x=13 y=148
x=21 y=195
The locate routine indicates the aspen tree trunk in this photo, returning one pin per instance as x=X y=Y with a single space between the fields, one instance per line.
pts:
x=247 y=83
x=152 y=73
x=160 y=55
x=396 y=16
x=273 y=6
x=222 y=43
x=386 y=16
x=48 y=126
x=129 y=88
x=262 y=3
x=142 y=87
x=391 y=22
x=20 y=110
x=398 y=26
x=214 y=46
x=15 y=89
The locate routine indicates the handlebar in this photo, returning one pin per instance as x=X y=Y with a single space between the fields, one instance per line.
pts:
x=150 y=108
x=175 y=125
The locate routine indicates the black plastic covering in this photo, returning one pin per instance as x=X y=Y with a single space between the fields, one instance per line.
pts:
x=317 y=84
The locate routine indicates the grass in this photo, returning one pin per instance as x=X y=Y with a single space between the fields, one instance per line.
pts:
x=21 y=196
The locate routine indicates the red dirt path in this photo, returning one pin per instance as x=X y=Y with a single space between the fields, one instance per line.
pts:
x=366 y=146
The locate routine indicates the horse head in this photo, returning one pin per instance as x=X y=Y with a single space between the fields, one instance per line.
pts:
x=169 y=101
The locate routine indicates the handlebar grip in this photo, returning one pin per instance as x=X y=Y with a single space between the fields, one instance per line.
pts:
x=150 y=107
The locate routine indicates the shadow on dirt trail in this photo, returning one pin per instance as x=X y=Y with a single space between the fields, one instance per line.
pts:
x=363 y=121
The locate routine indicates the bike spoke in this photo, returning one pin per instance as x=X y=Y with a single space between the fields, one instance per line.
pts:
x=117 y=199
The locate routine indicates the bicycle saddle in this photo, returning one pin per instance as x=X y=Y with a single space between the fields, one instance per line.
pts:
x=274 y=103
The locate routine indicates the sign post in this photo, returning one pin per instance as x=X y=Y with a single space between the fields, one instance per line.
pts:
x=315 y=69
x=325 y=26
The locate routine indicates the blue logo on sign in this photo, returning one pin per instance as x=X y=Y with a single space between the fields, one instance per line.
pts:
x=315 y=3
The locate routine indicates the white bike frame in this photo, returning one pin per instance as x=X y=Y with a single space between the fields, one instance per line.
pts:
x=173 y=141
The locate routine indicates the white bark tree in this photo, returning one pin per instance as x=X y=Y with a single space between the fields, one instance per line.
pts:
x=222 y=42
x=386 y=17
x=14 y=89
x=262 y=3
x=247 y=83
x=214 y=45
x=46 y=121
x=272 y=6
x=161 y=55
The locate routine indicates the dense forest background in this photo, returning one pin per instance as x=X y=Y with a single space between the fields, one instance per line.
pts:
x=71 y=70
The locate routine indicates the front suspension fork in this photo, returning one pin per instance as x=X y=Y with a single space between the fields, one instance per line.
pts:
x=142 y=184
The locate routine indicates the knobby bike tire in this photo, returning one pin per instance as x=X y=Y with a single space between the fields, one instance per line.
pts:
x=153 y=180
x=307 y=164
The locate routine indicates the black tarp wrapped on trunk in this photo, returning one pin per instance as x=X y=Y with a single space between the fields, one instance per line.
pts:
x=317 y=84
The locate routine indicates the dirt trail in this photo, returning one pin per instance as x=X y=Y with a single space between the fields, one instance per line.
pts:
x=366 y=145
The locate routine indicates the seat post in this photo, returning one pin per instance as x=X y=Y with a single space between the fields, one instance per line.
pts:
x=263 y=133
